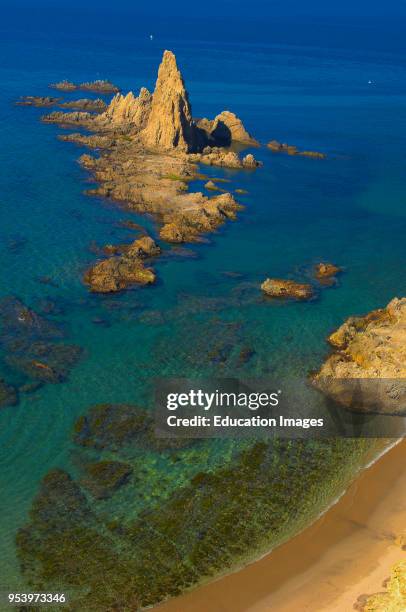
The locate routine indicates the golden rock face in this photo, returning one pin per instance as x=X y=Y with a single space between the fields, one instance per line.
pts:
x=369 y=358
x=170 y=123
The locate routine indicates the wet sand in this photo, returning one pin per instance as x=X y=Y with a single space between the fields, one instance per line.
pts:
x=346 y=553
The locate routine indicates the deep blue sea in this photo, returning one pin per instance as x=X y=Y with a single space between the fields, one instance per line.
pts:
x=347 y=100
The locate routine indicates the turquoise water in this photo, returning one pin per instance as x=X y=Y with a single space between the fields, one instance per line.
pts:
x=348 y=209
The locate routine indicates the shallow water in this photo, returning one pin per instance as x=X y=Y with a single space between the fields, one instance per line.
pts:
x=348 y=209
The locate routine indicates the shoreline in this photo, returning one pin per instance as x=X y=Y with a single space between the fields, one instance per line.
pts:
x=346 y=553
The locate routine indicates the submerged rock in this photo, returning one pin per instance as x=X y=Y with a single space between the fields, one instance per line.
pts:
x=367 y=369
x=103 y=478
x=279 y=288
x=115 y=426
x=32 y=343
x=8 y=394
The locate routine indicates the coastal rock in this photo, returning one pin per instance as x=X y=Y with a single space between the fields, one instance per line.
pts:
x=279 y=288
x=366 y=371
x=119 y=272
x=99 y=86
x=283 y=147
x=170 y=125
x=128 y=110
x=224 y=129
x=74 y=118
x=326 y=270
x=39 y=101
x=188 y=226
x=85 y=104
x=218 y=156
x=211 y=186
x=64 y=85
x=93 y=141
x=249 y=161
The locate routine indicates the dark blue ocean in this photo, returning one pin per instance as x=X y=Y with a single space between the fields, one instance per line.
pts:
x=333 y=87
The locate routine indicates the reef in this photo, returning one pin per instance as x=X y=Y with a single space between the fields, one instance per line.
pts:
x=39 y=101
x=282 y=147
x=279 y=288
x=103 y=478
x=99 y=86
x=126 y=267
x=32 y=344
x=367 y=367
x=209 y=525
x=150 y=147
x=116 y=426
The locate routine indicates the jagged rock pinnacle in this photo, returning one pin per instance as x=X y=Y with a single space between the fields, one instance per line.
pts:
x=170 y=125
x=128 y=110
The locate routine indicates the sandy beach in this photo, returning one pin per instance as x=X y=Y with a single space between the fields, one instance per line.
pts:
x=346 y=553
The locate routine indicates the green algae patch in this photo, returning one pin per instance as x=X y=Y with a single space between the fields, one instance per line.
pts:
x=113 y=426
x=103 y=478
x=217 y=520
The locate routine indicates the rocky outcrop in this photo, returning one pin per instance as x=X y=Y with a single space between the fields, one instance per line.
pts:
x=86 y=104
x=218 y=156
x=170 y=125
x=149 y=148
x=99 y=86
x=324 y=271
x=38 y=101
x=187 y=225
x=225 y=129
x=64 y=86
x=279 y=288
x=119 y=272
x=365 y=371
x=78 y=118
x=283 y=147
x=128 y=111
